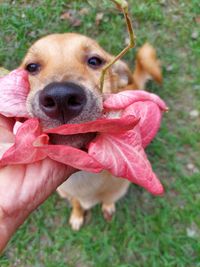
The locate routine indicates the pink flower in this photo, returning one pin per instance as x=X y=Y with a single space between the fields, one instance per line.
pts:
x=131 y=121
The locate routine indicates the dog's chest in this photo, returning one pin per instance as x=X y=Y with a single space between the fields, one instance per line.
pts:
x=90 y=188
x=84 y=185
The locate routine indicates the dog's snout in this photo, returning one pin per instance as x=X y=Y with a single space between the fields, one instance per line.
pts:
x=62 y=101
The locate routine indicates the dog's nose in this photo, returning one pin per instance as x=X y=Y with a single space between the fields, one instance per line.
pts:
x=62 y=101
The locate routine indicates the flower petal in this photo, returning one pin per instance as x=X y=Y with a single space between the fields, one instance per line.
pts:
x=126 y=98
x=14 y=89
x=23 y=151
x=124 y=156
x=100 y=126
x=73 y=157
x=150 y=119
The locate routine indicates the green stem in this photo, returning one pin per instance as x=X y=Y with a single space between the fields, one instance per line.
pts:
x=123 y=5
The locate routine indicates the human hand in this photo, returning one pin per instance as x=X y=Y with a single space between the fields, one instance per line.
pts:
x=24 y=187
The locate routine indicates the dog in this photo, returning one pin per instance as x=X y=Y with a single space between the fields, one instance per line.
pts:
x=64 y=75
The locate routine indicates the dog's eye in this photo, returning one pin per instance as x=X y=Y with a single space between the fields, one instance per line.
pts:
x=33 y=68
x=95 y=62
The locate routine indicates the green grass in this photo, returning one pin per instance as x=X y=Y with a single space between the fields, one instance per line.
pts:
x=147 y=231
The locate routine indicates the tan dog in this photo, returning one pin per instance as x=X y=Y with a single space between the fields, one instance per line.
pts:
x=64 y=80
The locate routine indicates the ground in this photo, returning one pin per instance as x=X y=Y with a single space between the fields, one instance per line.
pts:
x=146 y=231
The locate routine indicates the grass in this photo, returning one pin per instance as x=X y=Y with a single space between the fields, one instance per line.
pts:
x=146 y=231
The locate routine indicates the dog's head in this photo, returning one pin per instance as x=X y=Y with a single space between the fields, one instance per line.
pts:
x=64 y=75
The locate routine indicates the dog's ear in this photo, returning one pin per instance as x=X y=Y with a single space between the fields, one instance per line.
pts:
x=122 y=75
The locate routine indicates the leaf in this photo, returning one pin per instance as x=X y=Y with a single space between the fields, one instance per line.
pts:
x=124 y=156
x=14 y=89
x=100 y=126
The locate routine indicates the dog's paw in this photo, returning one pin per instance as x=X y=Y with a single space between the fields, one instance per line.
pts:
x=108 y=211
x=76 y=222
